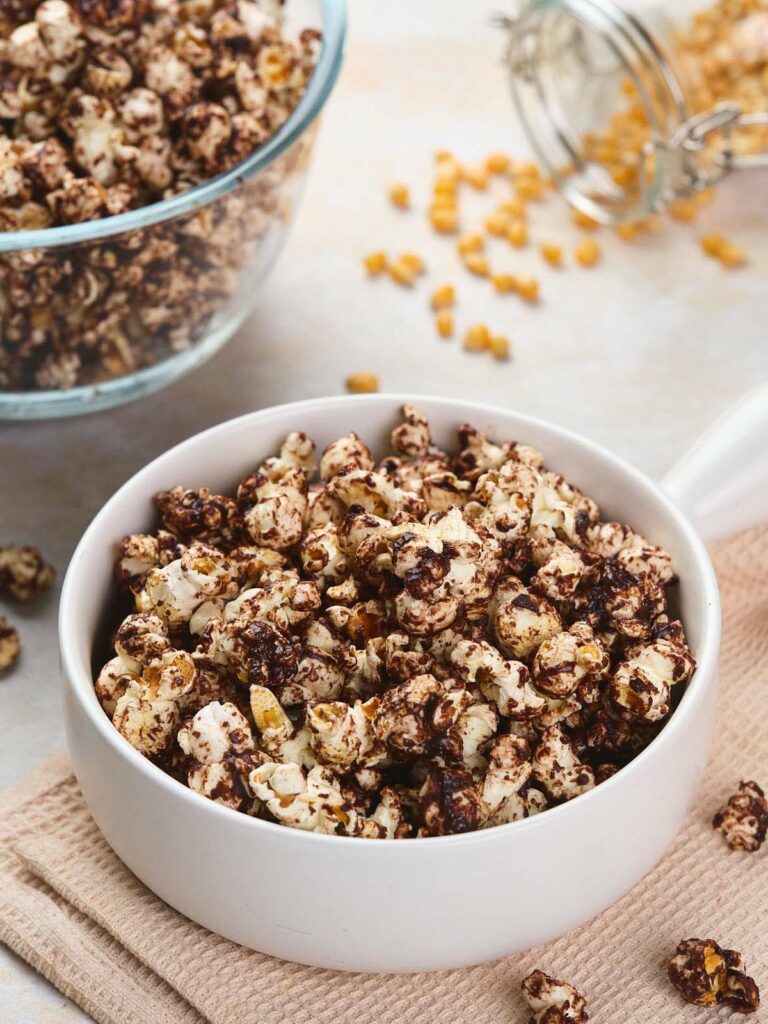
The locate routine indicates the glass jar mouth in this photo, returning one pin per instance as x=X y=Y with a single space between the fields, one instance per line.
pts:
x=318 y=90
x=627 y=47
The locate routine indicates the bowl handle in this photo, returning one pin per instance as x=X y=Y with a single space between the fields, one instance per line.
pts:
x=722 y=481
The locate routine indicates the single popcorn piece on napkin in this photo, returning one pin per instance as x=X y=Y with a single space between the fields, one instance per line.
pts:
x=10 y=645
x=23 y=572
x=743 y=822
x=706 y=975
x=553 y=1001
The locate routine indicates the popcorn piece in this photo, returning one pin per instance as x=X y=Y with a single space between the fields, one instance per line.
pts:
x=409 y=716
x=311 y=802
x=629 y=604
x=521 y=619
x=346 y=453
x=23 y=572
x=562 y=508
x=412 y=437
x=277 y=734
x=149 y=725
x=642 y=682
x=631 y=551
x=706 y=975
x=175 y=591
x=450 y=801
x=465 y=743
x=140 y=552
x=553 y=1001
x=557 y=768
x=274 y=499
x=560 y=567
x=281 y=599
x=198 y=515
x=10 y=645
x=509 y=769
x=219 y=741
x=569 y=662
x=342 y=735
x=478 y=454
x=743 y=822
x=502 y=499
x=505 y=683
x=322 y=556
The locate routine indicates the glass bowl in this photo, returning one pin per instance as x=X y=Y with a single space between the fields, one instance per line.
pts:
x=166 y=285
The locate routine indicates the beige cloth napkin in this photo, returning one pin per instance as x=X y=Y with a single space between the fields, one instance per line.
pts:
x=69 y=907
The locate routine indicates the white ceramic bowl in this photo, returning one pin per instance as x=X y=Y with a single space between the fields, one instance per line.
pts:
x=360 y=905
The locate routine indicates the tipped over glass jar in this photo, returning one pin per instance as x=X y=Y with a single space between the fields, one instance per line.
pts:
x=637 y=105
x=151 y=157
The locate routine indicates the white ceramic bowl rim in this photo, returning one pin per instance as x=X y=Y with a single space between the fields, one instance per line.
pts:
x=78 y=670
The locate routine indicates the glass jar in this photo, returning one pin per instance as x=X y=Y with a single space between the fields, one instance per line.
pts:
x=123 y=305
x=635 y=105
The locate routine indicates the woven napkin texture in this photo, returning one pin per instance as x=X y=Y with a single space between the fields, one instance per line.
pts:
x=70 y=908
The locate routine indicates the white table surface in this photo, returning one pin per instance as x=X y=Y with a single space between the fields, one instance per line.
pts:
x=640 y=354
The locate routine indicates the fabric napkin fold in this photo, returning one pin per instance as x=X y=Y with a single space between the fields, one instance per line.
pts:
x=73 y=911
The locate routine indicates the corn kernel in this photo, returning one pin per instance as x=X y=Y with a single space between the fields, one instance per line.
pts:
x=515 y=207
x=444 y=220
x=685 y=210
x=375 y=263
x=413 y=261
x=402 y=273
x=476 y=264
x=477 y=338
x=400 y=196
x=587 y=253
x=444 y=295
x=444 y=323
x=500 y=347
x=442 y=155
x=477 y=177
x=713 y=244
x=529 y=188
x=496 y=223
x=552 y=253
x=528 y=288
x=470 y=243
x=628 y=230
x=732 y=256
x=362 y=383
x=504 y=283
x=497 y=163
x=584 y=221
x=517 y=233
x=445 y=189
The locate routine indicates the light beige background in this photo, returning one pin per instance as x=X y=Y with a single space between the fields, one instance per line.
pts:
x=640 y=354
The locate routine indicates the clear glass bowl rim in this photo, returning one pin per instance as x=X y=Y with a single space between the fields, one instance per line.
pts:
x=318 y=90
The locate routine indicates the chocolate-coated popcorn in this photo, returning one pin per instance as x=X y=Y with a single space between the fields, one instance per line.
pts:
x=419 y=646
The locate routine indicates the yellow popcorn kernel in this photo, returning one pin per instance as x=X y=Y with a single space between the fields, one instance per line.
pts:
x=362 y=383
x=500 y=347
x=444 y=295
x=504 y=283
x=528 y=289
x=413 y=261
x=444 y=219
x=587 y=253
x=400 y=196
x=517 y=234
x=444 y=323
x=496 y=222
x=470 y=243
x=552 y=253
x=375 y=263
x=584 y=221
x=477 y=338
x=477 y=264
x=497 y=163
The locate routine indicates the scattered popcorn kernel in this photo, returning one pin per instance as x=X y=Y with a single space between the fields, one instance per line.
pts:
x=504 y=283
x=477 y=264
x=628 y=231
x=362 y=383
x=477 y=338
x=732 y=256
x=497 y=163
x=587 y=253
x=527 y=169
x=517 y=234
x=515 y=207
x=496 y=223
x=527 y=288
x=443 y=295
x=375 y=263
x=713 y=244
x=405 y=269
x=477 y=177
x=413 y=261
x=500 y=347
x=552 y=253
x=24 y=573
x=444 y=323
x=444 y=220
x=584 y=221
x=470 y=243
x=400 y=196
x=684 y=210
